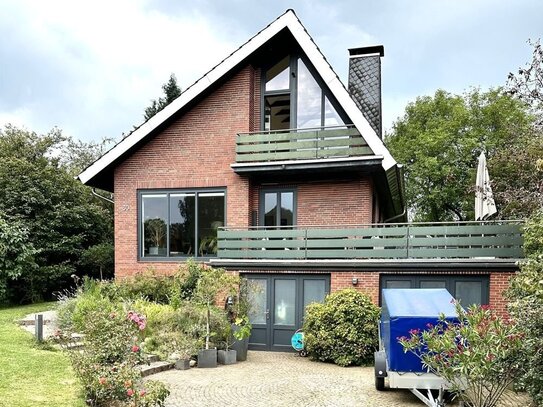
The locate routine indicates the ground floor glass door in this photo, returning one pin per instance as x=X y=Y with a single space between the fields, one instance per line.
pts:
x=278 y=304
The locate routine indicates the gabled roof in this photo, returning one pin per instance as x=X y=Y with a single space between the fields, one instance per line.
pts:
x=288 y=20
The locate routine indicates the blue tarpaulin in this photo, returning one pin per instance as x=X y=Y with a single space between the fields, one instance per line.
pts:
x=407 y=309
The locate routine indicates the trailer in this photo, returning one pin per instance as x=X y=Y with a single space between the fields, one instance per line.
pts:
x=403 y=310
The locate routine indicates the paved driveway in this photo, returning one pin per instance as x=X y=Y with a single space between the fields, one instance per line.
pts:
x=285 y=379
x=279 y=379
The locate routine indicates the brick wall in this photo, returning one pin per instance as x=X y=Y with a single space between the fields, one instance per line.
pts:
x=368 y=282
x=499 y=282
x=329 y=203
x=195 y=150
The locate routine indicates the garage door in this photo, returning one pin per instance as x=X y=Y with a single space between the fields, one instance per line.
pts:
x=468 y=289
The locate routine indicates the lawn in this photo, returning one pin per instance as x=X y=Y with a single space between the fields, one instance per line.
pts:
x=30 y=376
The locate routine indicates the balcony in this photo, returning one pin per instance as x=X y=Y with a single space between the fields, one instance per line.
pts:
x=283 y=150
x=483 y=242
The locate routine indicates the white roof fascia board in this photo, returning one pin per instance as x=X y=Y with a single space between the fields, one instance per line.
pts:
x=289 y=20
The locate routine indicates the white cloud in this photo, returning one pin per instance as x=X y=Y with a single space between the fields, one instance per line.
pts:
x=110 y=58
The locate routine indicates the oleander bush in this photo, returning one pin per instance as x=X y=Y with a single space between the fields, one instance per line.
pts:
x=343 y=329
x=478 y=354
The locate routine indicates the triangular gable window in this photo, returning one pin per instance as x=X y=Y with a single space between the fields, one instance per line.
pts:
x=293 y=98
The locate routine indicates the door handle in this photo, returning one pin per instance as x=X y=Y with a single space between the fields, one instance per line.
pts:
x=267 y=314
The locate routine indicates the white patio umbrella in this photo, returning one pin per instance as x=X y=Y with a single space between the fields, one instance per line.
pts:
x=484 y=201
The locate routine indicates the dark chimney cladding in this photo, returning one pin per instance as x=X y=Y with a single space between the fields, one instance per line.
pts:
x=365 y=83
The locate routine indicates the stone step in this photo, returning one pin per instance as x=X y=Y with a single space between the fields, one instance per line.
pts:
x=155 y=367
x=152 y=358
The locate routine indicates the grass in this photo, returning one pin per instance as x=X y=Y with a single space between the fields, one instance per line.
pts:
x=31 y=375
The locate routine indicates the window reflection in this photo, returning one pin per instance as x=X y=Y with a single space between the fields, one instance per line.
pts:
x=309 y=99
x=182 y=222
x=270 y=209
x=210 y=219
x=287 y=208
x=331 y=116
x=277 y=77
x=154 y=219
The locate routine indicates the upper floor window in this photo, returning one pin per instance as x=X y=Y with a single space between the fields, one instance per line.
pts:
x=293 y=98
x=180 y=223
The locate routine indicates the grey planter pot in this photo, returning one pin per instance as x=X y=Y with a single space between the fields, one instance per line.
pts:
x=241 y=348
x=207 y=358
x=227 y=357
x=182 y=364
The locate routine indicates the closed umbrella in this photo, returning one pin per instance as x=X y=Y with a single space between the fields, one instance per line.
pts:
x=484 y=201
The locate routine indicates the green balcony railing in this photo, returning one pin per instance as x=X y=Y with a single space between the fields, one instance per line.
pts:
x=463 y=240
x=306 y=144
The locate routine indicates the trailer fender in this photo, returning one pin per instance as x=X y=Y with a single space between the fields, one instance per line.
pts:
x=380 y=364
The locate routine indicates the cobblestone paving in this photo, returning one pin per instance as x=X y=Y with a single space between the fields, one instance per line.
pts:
x=284 y=379
x=279 y=379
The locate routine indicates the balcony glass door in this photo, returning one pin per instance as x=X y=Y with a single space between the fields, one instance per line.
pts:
x=277 y=208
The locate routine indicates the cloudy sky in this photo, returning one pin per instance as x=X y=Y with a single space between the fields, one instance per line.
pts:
x=91 y=67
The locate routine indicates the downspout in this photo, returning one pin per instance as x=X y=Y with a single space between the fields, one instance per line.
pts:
x=93 y=190
x=396 y=216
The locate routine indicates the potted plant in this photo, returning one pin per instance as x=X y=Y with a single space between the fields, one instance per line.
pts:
x=184 y=349
x=155 y=231
x=241 y=331
x=228 y=355
x=210 y=285
x=241 y=326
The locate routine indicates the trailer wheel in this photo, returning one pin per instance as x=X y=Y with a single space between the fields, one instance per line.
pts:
x=380 y=383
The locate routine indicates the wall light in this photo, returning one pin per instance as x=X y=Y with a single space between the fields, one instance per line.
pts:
x=355 y=281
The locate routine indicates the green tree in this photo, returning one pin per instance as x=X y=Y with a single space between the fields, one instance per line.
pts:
x=16 y=254
x=527 y=83
x=439 y=140
x=526 y=307
x=171 y=92
x=60 y=215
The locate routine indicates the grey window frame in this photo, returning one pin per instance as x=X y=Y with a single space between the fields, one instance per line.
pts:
x=450 y=282
x=293 y=91
x=278 y=191
x=168 y=192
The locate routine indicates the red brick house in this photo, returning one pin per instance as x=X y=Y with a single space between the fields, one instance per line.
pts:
x=269 y=166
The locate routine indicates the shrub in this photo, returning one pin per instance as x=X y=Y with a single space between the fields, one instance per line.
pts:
x=75 y=310
x=343 y=330
x=526 y=308
x=477 y=355
x=106 y=367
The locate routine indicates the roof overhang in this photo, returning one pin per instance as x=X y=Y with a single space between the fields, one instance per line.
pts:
x=363 y=163
x=289 y=20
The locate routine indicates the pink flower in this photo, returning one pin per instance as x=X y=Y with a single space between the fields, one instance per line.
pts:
x=135 y=348
x=142 y=393
x=414 y=331
x=130 y=392
x=102 y=380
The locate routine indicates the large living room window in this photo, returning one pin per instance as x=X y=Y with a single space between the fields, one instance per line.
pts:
x=182 y=223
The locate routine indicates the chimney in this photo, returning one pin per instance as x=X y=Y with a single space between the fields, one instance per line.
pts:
x=365 y=83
